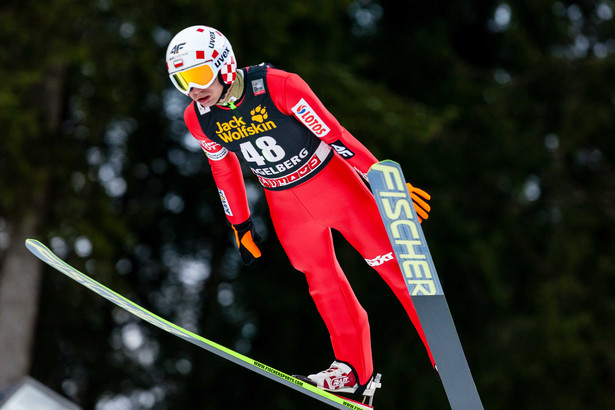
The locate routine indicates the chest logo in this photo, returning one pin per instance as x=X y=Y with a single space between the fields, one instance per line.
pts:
x=259 y=114
x=236 y=128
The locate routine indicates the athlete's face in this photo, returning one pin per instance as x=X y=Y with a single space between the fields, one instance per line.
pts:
x=209 y=96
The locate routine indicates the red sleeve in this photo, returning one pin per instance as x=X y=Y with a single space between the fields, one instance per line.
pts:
x=292 y=96
x=226 y=170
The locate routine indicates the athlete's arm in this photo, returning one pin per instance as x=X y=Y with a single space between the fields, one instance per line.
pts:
x=226 y=171
x=292 y=96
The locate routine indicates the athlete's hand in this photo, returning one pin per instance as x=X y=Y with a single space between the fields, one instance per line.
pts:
x=419 y=198
x=246 y=239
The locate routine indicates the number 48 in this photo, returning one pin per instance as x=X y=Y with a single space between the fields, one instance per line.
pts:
x=271 y=151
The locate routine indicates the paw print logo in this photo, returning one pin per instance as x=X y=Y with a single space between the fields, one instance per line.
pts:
x=259 y=114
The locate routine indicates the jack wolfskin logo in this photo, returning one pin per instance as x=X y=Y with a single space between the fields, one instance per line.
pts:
x=236 y=128
x=259 y=114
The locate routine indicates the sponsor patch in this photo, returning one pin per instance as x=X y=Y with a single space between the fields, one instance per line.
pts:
x=214 y=151
x=202 y=110
x=236 y=128
x=225 y=204
x=380 y=259
x=341 y=149
x=258 y=86
x=217 y=156
x=310 y=119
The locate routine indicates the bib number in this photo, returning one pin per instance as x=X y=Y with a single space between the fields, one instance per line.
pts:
x=268 y=150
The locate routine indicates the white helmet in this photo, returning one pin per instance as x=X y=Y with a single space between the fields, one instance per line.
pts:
x=197 y=55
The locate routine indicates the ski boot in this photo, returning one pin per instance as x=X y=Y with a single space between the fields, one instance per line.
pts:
x=341 y=378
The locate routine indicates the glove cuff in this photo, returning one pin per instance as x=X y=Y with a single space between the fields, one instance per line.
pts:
x=244 y=226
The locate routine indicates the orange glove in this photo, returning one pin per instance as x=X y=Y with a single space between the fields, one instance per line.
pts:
x=246 y=238
x=418 y=198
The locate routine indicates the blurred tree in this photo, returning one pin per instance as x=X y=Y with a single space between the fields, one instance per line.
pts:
x=32 y=107
x=51 y=169
x=501 y=110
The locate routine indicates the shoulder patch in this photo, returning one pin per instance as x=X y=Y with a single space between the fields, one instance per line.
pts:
x=258 y=86
x=213 y=150
x=342 y=149
x=310 y=119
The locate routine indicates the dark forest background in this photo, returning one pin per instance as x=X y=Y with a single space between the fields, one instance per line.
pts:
x=503 y=111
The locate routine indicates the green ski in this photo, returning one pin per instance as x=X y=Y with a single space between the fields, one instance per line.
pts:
x=47 y=256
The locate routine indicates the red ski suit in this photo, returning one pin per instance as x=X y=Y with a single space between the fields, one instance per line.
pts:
x=304 y=159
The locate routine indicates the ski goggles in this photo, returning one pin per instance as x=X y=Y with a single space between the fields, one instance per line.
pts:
x=201 y=76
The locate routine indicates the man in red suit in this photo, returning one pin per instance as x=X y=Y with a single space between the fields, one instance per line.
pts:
x=310 y=168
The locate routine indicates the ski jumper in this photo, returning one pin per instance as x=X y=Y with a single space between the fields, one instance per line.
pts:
x=304 y=159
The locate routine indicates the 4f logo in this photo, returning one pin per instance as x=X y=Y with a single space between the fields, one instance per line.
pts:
x=341 y=149
x=178 y=47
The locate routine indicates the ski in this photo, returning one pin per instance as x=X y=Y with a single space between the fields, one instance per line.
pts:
x=47 y=256
x=410 y=247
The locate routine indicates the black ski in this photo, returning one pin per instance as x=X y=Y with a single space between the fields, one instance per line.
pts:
x=406 y=235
